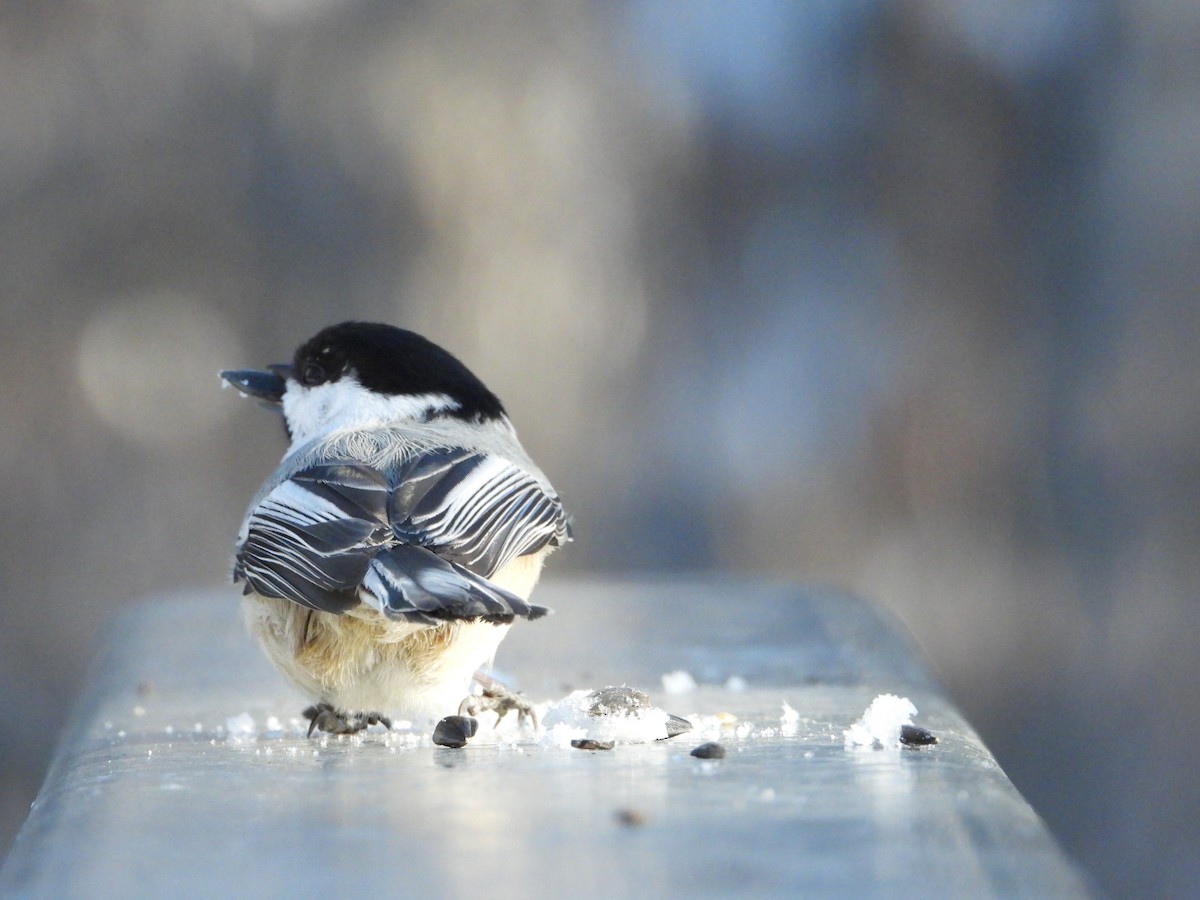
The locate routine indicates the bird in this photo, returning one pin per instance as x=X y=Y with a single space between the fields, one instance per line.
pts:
x=400 y=536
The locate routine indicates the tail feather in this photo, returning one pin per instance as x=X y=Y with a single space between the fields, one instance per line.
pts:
x=413 y=584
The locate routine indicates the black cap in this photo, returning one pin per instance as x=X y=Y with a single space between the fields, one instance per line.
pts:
x=390 y=360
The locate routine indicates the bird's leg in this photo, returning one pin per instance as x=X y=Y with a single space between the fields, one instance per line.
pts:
x=323 y=717
x=499 y=699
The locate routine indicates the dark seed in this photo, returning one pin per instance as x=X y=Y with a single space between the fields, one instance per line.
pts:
x=589 y=744
x=631 y=818
x=915 y=736
x=711 y=750
x=455 y=731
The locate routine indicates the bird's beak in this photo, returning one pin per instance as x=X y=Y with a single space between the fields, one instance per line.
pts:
x=266 y=386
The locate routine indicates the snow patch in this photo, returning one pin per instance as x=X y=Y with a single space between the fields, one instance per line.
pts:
x=789 y=720
x=240 y=727
x=572 y=718
x=879 y=727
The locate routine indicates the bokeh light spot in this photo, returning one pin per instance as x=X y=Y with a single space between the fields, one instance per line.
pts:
x=147 y=364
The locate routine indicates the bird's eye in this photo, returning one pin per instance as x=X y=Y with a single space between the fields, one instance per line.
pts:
x=312 y=374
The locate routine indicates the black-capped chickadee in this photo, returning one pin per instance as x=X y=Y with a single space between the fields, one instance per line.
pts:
x=401 y=535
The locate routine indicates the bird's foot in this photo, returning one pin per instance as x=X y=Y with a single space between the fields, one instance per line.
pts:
x=500 y=700
x=323 y=717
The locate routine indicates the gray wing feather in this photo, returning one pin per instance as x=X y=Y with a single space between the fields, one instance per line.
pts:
x=418 y=543
x=477 y=510
x=311 y=539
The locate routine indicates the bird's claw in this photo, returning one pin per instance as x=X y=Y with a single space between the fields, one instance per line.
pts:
x=323 y=717
x=500 y=700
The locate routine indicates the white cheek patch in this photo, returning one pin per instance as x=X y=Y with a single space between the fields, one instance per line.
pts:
x=345 y=405
x=306 y=409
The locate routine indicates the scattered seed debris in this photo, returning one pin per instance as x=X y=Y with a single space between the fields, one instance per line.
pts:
x=589 y=744
x=617 y=700
x=916 y=736
x=631 y=818
x=455 y=731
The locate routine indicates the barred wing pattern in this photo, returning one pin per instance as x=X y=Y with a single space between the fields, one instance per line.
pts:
x=311 y=539
x=477 y=510
x=419 y=546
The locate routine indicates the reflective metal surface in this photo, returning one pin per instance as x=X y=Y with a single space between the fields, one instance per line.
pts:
x=186 y=771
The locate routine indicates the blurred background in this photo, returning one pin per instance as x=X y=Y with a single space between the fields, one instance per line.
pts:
x=894 y=294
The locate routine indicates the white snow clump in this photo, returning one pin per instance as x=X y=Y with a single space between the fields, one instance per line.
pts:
x=879 y=727
x=570 y=718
